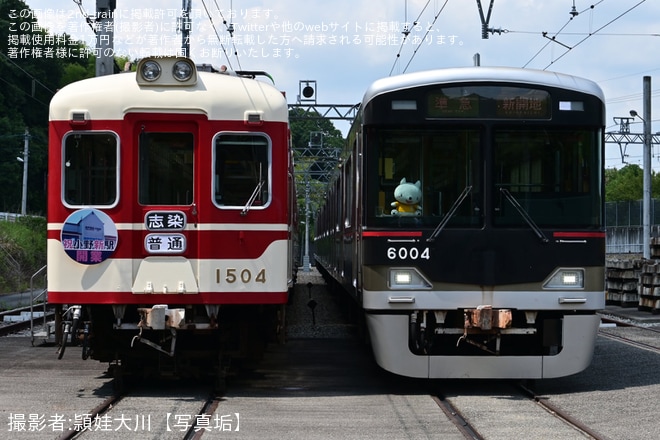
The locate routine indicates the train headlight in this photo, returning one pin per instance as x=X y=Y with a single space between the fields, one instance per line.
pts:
x=166 y=72
x=150 y=71
x=182 y=70
x=566 y=279
x=407 y=278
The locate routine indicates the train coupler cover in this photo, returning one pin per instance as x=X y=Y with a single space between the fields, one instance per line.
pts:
x=485 y=317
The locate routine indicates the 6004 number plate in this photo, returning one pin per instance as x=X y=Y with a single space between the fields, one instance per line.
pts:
x=408 y=253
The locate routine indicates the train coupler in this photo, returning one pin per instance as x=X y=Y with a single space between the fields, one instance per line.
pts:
x=486 y=322
x=155 y=346
x=485 y=318
x=160 y=317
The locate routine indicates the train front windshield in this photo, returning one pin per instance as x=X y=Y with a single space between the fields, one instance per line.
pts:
x=498 y=175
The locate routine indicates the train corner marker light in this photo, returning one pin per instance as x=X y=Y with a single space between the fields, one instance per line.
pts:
x=253 y=117
x=79 y=117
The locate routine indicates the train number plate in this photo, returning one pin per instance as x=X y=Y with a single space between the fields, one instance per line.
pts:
x=233 y=275
x=408 y=253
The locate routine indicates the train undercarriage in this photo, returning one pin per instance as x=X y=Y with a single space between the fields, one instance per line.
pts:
x=485 y=331
x=196 y=342
x=556 y=345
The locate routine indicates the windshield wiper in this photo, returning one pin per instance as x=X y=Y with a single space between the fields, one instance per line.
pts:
x=450 y=213
x=252 y=198
x=524 y=215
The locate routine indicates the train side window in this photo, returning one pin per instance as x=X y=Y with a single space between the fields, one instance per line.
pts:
x=348 y=192
x=90 y=169
x=166 y=169
x=241 y=170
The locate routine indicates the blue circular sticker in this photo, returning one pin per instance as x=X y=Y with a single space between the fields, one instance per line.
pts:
x=89 y=236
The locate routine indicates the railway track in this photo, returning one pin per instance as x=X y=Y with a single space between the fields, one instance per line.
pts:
x=641 y=336
x=455 y=416
x=284 y=395
x=559 y=413
x=470 y=410
x=319 y=389
x=161 y=414
x=496 y=410
x=8 y=328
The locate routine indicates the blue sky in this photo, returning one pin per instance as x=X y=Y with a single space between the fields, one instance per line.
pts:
x=345 y=45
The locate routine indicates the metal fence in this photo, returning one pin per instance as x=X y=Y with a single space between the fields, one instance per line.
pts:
x=623 y=214
x=623 y=221
x=8 y=216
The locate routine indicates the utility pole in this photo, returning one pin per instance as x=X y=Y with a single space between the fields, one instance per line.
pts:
x=646 y=202
x=306 y=265
x=647 y=139
x=105 y=45
x=26 y=151
x=185 y=24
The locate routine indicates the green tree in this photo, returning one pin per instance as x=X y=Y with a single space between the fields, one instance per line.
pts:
x=311 y=162
x=623 y=184
x=627 y=184
x=22 y=251
x=34 y=67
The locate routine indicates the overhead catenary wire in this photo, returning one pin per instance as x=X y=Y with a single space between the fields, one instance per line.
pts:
x=594 y=32
x=423 y=39
x=552 y=39
x=84 y=13
x=406 y=31
x=29 y=75
x=600 y=34
x=631 y=97
x=229 y=27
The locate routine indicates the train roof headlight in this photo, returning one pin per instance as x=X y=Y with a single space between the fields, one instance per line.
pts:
x=407 y=278
x=150 y=71
x=166 y=72
x=182 y=70
x=566 y=279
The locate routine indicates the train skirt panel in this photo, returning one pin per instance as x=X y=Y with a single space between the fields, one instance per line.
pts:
x=389 y=339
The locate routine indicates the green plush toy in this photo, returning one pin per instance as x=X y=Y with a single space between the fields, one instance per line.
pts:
x=408 y=197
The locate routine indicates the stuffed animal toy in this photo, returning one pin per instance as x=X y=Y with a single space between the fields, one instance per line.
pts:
x=408 y=197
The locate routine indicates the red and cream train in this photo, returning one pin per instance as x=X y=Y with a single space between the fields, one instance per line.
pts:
x=171 y=216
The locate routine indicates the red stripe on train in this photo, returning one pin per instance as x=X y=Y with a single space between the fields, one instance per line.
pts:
x=170 y=298
x=578 y=234
x=392 y=234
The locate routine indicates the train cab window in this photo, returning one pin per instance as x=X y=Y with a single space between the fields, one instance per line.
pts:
x=90 y=169
x=166 y=169
x=553 y=175
x=241 y=170
x=444 y=162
